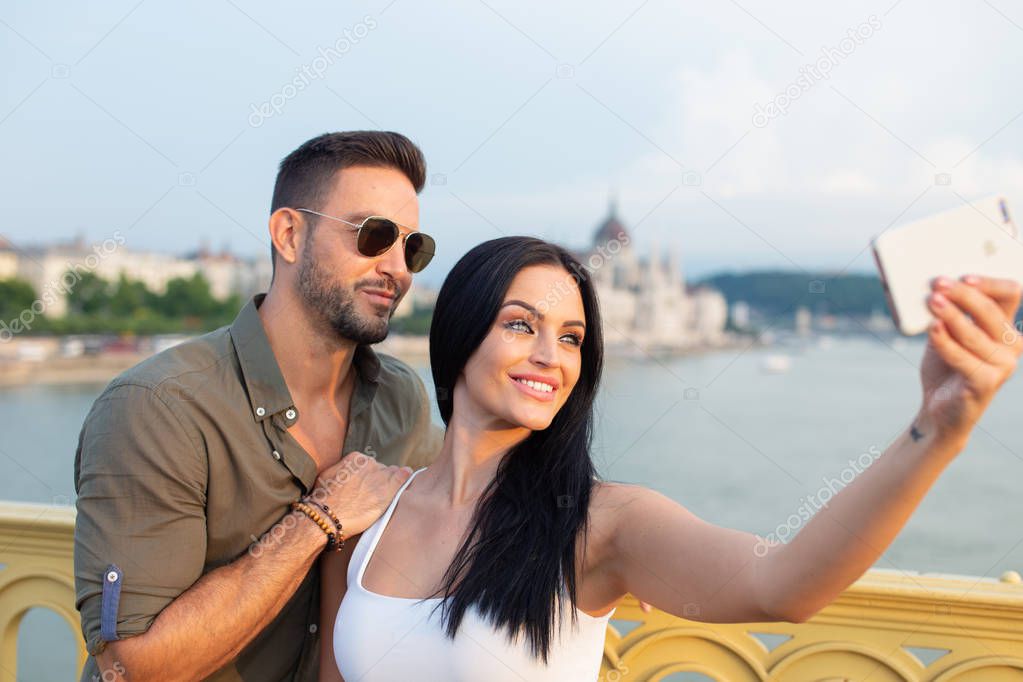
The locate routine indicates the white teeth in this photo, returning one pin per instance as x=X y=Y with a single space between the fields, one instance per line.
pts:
x=536 y=385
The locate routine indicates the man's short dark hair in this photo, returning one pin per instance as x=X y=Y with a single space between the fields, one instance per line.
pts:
x=306 y=175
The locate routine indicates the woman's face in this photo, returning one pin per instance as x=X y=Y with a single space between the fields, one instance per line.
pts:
x=529 y=362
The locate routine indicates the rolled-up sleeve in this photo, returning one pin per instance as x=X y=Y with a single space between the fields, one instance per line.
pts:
x=140 y=475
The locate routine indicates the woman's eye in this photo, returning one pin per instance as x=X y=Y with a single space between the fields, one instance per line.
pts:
x=519 y=325
x=523 y=326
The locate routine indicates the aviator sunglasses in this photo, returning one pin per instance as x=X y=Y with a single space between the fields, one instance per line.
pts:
x=376 y=235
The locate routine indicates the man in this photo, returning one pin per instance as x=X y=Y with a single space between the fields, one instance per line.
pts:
x=190 y=561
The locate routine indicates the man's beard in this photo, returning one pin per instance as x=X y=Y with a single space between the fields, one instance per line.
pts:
x=335 y=304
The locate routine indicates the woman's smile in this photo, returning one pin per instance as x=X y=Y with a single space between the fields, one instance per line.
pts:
x=541 y=389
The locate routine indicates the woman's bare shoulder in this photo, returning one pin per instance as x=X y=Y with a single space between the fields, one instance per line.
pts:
x=610 y=504
x=612 y=496
x=613 y=503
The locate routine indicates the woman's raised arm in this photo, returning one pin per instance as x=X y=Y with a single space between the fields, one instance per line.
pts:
x=664 y=555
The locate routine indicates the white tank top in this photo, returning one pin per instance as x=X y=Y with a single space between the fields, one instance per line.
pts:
x=381 y=638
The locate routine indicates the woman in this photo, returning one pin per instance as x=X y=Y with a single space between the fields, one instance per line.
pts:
x=505 y=558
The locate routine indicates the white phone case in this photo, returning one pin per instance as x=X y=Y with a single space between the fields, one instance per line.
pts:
x=978 y=238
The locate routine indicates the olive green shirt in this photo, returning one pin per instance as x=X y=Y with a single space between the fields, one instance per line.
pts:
x=185 y=460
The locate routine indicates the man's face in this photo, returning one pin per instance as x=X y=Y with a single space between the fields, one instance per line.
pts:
x=354 y=294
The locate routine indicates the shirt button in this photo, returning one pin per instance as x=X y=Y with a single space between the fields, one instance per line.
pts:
x=277 y=455
x=313 y=628
x=112 y=577
x=290 y=414
x=260 y=411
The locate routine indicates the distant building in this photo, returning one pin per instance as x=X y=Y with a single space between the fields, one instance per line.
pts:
x=418 y=297
x=803 y=321
x=740 y=315
x=228 y=274
x=645 y=302
x=880 y=322
x=8 y=260
x=53 y=271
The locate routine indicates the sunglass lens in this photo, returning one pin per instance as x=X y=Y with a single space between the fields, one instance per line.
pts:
x=419 y=250
x=376 y=236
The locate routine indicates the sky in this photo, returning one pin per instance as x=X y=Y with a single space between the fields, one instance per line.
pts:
x=743 y=134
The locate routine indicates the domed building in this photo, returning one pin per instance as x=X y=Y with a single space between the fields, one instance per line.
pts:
x=645 y=303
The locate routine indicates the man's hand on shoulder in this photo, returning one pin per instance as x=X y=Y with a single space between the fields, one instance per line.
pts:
x=358 y=490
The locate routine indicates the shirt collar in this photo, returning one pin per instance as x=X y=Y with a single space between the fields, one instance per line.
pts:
x=367 y=364
x=264 y=383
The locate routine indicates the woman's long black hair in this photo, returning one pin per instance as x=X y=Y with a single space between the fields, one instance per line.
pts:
x=517 y=564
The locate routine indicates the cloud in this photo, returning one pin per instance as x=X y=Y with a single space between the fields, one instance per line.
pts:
x=829 y=143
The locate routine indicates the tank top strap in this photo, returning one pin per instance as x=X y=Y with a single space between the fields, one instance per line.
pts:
x=371 y=536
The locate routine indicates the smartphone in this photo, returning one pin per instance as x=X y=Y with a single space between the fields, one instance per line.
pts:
x=978 y=238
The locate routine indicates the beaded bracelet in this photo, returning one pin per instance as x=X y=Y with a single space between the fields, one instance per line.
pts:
x=312 y=514
x=333 y=517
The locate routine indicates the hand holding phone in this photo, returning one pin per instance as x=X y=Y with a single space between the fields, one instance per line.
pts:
x=973 y=348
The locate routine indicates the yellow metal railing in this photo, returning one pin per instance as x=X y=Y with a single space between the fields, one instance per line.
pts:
x=36 y=543
x=888 y=626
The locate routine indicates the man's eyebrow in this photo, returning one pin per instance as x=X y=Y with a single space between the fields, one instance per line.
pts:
x=539 y=315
